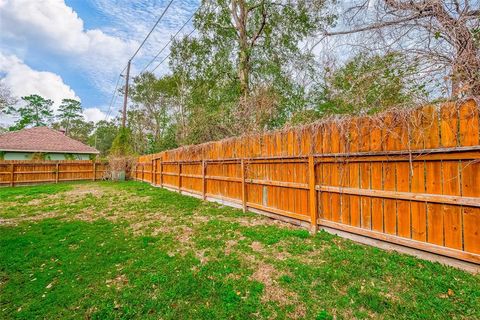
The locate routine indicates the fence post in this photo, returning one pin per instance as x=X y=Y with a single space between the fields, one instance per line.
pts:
x=244 y=186
x=161 y=172
x=94 y=170
x=179 y=177
x=153 y=172
x=12 y=175
x=204 y=185
x=56 y=171
x=143 y=172
x=312 y=194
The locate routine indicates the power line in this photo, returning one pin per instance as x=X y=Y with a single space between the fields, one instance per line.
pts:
x=125 y=99
x=163 y=60
x=171 y=39
x=188 y=35
x=151 y=30
x=114 y=97
x=115 y=93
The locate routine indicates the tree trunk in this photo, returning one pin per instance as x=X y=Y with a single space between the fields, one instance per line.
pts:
x=239 y=12
x=465 y=74
x=244 y=71
x=466 y=66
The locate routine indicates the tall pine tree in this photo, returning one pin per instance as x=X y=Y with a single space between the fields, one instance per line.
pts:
x=35 y=113
x=70 y=111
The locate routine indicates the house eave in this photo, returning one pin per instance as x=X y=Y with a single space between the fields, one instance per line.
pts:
x=50 y=151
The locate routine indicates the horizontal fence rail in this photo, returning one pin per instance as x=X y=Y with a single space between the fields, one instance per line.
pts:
x=14 y=173
x=414 y=182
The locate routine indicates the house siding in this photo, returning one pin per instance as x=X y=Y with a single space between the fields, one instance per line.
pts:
x=48 y=156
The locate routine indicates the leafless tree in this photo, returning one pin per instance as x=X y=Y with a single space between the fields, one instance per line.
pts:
x=442 y=34
x=6 y=98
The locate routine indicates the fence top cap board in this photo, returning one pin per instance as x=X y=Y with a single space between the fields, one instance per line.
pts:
x=42 y=139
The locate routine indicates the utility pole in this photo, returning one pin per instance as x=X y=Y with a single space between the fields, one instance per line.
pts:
x=125 y=97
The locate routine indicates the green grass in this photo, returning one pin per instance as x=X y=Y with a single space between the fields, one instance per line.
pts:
x=25 y=194
x=128 y=250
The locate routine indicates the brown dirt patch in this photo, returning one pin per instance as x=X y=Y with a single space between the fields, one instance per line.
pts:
x=256 y=246
x=200 y=255
x=82 y=190
x=78 y=192
x=259 y=220
x=118 y=282
x=15 y=221
x=282 y=255
x=229 y=245
x=198 y=219
x=267 y=274
x=161 y=230
x=117 y=200
x=36 y=202
x=184 y=234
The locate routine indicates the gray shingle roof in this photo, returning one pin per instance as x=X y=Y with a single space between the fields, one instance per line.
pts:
x=42 y=139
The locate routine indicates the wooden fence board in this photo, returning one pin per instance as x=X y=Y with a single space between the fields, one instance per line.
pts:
x=355 y=214
x=366 y=208
x=452 y=214
x=377 y=203
x=418 y=209
x=389 y=206
x=471 y=216
x=403 y=207
x=449 y=125
x=469 y=124
x=434 y=210
x=23 y=172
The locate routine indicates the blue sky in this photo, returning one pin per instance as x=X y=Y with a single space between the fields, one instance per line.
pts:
x=76 y=48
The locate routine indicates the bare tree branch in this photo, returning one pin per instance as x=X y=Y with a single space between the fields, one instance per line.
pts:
x=373 y=26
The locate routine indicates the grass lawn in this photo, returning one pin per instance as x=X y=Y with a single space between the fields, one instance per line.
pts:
x=128 y=250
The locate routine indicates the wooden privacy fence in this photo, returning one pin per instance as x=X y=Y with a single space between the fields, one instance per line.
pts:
x=27 y=172
x=407 y=177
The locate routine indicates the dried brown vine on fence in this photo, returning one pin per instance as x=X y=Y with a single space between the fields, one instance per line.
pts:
x=118 y=164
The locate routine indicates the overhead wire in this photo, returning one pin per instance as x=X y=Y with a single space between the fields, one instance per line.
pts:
x=176 y=34
x=114 y=97
x=151 y=30
x=170 y=41
x=163 y=60
x=115 y=93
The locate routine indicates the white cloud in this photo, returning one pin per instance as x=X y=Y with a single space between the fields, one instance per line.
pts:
x=94 y=114
x=50 y=22
x=53 y=27
x=53 y=31
x=134 y=19
x=23 y=80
